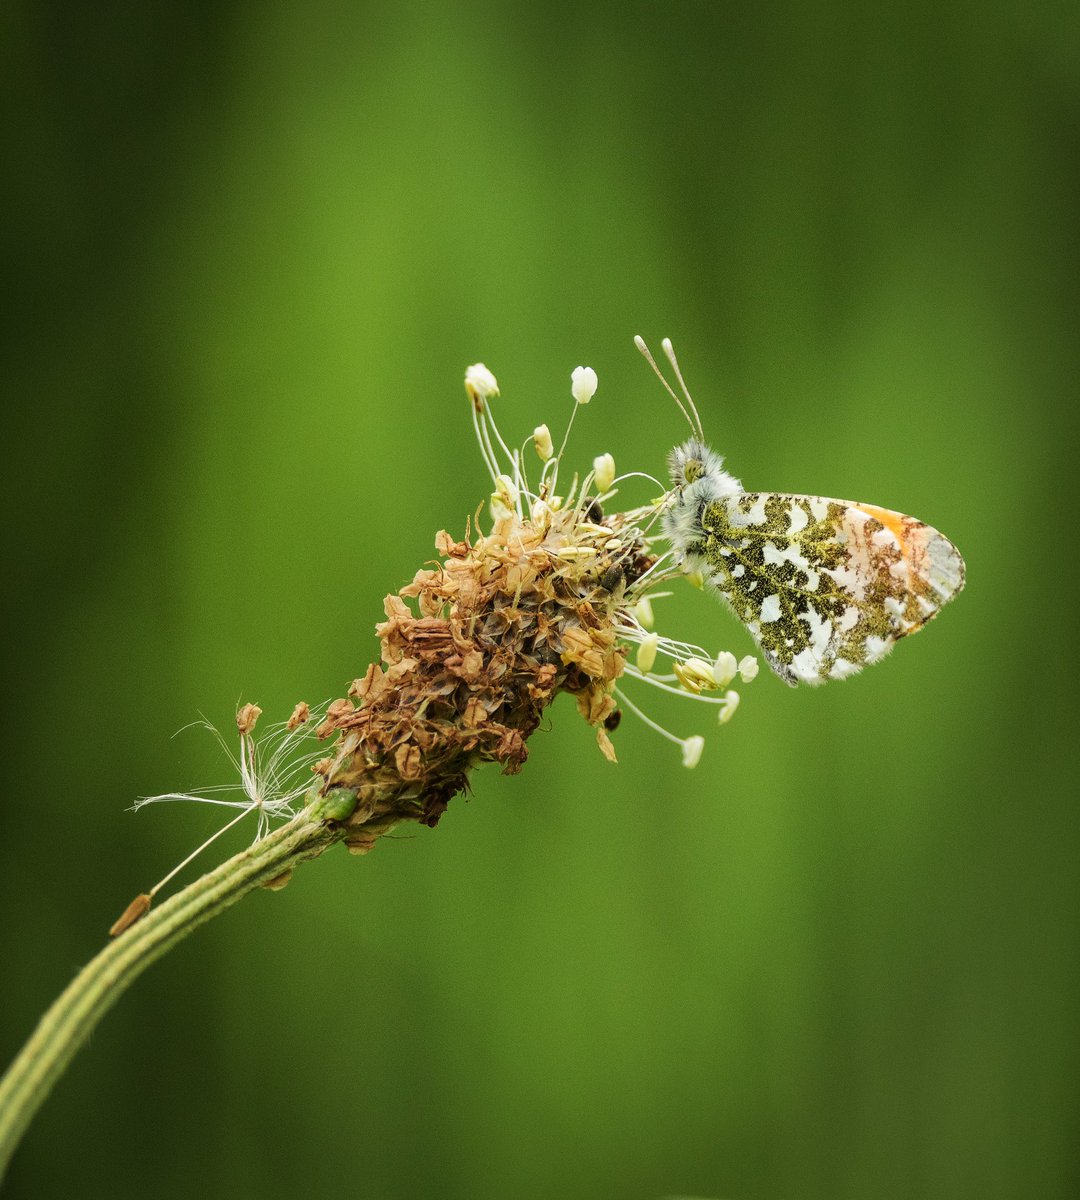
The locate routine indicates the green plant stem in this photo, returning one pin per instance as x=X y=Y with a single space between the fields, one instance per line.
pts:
x=75 y=1013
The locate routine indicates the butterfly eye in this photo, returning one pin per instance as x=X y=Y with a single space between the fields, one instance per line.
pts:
x=693 y=469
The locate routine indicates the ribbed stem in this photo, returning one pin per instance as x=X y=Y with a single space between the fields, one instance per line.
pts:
x=70 y=1020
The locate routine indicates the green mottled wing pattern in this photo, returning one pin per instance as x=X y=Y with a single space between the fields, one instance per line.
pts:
x=825 y=586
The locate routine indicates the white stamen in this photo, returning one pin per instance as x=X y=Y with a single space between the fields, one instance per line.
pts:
x=727 y=709
x=583 y=384
x=691 y=751
x=480 y=383
x=643 y=610
x=542 y=441
x=646 y=655
x=748 y=668
x=725 y=668
x=603 y=472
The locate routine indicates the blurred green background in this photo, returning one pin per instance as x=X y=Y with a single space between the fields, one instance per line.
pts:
x=249 y=251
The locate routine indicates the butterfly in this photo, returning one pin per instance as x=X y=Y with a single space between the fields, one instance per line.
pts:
x=825 y=587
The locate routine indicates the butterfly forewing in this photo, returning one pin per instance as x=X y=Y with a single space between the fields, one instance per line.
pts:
x=825 y=586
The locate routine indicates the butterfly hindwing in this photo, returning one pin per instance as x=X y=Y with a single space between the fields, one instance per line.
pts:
x=825 y=586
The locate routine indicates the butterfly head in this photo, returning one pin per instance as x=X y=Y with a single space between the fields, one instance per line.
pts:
x=690 y=461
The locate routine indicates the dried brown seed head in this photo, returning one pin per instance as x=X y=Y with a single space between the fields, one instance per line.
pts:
x=246 y=718
x=300 y=716
x=500 y=626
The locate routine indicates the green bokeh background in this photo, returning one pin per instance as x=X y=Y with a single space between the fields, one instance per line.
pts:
x=250 y=249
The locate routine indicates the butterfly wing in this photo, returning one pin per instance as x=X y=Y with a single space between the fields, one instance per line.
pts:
x=826 y=587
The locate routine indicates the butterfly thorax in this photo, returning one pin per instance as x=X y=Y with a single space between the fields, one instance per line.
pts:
x=698 y=479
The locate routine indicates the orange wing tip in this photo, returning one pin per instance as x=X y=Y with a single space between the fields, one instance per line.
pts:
x=929 y=554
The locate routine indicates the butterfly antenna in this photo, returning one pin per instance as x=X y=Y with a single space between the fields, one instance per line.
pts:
x=647 y=354
x=669 y=350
